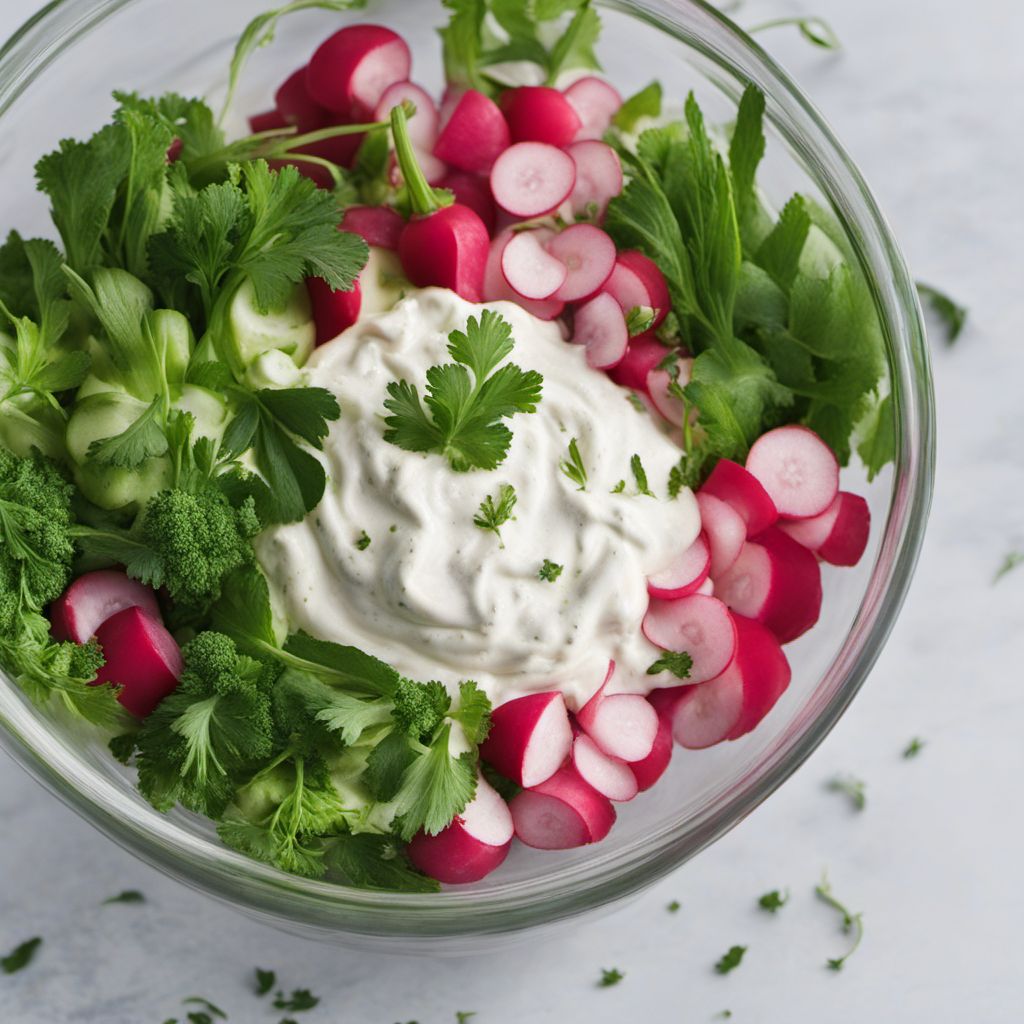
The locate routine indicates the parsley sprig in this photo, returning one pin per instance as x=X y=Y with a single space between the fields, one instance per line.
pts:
x=492 y=515
x=573 y=466
x=850 y=922
x=678 y=663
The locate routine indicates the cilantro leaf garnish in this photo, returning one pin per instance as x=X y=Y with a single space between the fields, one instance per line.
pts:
x=640 y=476
x=371 y=861
x=610 y=976
x=21 y=956
x=851 y=787
x=573 y=466
x=678 y=663
x=128 y=896
x=550 y=571
x=463 y=418
x=474 y=712
x=952 y=315
x=773 y=901
x=265 y=981
x=300 y=999
x=850 y=922
x=492 y=514
x=731 y=960
x=144 y=439
x=913 y=748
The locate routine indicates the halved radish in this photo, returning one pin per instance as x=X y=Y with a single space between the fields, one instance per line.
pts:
x=473 y=191
x=708 y=713
x=659 y=387
x=847 y=542
x=764 y=670
x=637 y=281
x=530 y=737
x=474 y=134
x=333 y=311
x=598 y=178
x=776 y=581
x=529 y=268
x=701 y=626
x=496 y=288
x=623 y=725
x=596 y=103
x=532 y=178
x=561 y=813
x=601 y=326
x=472 y=846
x=725 y=531
x=653 y=766
x=686 y=573
x=353 y=68
x=608 y=775
x=733 y=484
x=141 y=657
x=423 y=125
x=797 y=469
x=295 y=105
x=377 y=225
x=266 y=121
x=643 y=354
x=588 y=255
x=538 y=113
x=95 y=597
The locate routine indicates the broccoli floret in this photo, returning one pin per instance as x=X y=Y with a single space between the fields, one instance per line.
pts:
x=420 y=707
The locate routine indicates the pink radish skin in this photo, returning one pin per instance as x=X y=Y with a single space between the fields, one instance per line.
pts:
x=637 y=281
x=608 y=775
x=797 y=469
x=685 y=575
x=655 y=764
x=643 y=354
x=376 y=225
x=497 y=289
x=848 y=541
x=623 y=725
x=297 y=107
x=776 y=581
x=333 y=311
x=141 y=657
x=93 y=599
x=562 y=813
x=596 y=103
x=447 y=248
x=763 y=669
x=724 y=529
x=598 y=177
x=267 y=121
x=530 y=738
x=699 y=625
x=813 y=532
x=537 y=113
x=450 y=100
x=588 y=255
x=532 y=178
x=472 y=846
x=659 y=387
x=530 y=269
x=473 y=135
x=424 y=124
x=601 y=327
x=473 y=191
x=708 y=713
x=352 y=69
x=733 y=484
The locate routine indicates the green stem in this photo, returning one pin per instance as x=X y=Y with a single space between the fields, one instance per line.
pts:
x=421 y=195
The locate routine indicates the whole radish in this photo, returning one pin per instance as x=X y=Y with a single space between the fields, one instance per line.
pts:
x=538 y=113
x=441 y=245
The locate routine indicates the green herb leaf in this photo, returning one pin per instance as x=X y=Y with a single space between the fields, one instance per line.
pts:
x=773 y=901
x=299 y=1000
x=370 y=861
x=363 y=541
x=573 y=466
x=492 y=514
x=645 y=103
x=1009 y=563
x=850 y=922
x=265 y=981
x=640 y=476
x=474 y=712
x=674 y=907
x=210 y=1008
x=952 y=315
x=678 y=663
x=853 y=788
x=731 y=960
x=20 y=957
x=463 y=1016
x=549 y=571
x=746 y=150
x=128 y=896
x=610 y=976
x=142 y=440
x=913 y=748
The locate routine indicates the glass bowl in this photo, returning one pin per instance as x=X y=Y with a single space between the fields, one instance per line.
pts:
x=56 y=76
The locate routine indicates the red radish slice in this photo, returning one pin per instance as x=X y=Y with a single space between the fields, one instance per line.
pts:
x=530 y=738
x=532 y=178
x=450 y=100
x=601 y=326
x=659 y=387
x=637 y=281
x=333 y=311
x=708 y=713
x=725 y=530
x=537 y=113
x=684 y=575
x=267 y=121
x=847 y=542
x=352 y=69
x=447 y=248
x=776 y=581
x=813 y=532
x=764 y=670
x=623 y=725
x=496 y=288
x=653 y=766
x=589 y=257
x=598 y=178
x=643 y=354
x=596 y=103
x=141 y=657
x=297 y=107
x=797 y=469
x=699 y=625
x=561 y=813
x=733 y=484
x=423 y=125
x=473 y=191
x=472 y=846
x=530 y=269
x=96 y=597
x=474 y=134
x=608 y=775
x=707 y=588
x=377 y=225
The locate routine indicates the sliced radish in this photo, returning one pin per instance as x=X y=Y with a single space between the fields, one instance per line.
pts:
x=725 y=531
x=295 y=105
x=608 y=775
x=733 y=484
x=529 y=268
x=352 y=69
x=474 y=191
x=707 y=588
x=447 y=248
x=686 y=573
x=141 y=657
x=797 y=469
x=637 y=281
x=377 y=225
x=532 y=178
x=95 y=597
x=708 y=713
x=847 y=542
x=561 y=813
x=423 y=125
x=701 y=626
x=496 y=288
x=267 y=121
x=643 y=354
x=764 y=670
x=596 y=103
x=601 y=326
x=660 y=390
x=333 y=311
x=598 y=178
x=653 y=766
x=537 y=113
x=450 y=100
x=530 y=738
x=589 y=257
x=776 y=581
x=472 y=846
x=623 y=725
x=474 y=134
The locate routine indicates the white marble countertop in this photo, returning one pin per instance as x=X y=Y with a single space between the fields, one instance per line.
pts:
x=928 y=95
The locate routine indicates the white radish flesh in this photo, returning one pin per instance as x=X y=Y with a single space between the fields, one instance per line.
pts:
x=530 y=269
x=93 y=599
x=685 y=575
x=532 y=178
x=797 y=469
x=623 y=725
x=496 y=288
x=708 y=713
x=725 y=530
x=588 y=255
x=562 y=813
x=598 y=177
x=596 y=102
x=608 y=775
x=423 y=125
x=812 y=532
x=699 y=625
x=734 y=485
x=653 y=766
x=601 y=326
x=530 y=738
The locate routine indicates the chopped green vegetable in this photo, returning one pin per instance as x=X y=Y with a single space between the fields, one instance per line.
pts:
x=678 y=663
x=550 y=571
x=573 y=466
x=493 y=515
x=1010 y=562
x=851 y=922
x=773 y=901
x=128 y=896
x=853 y=788
x=300 y=999
x=610 y=976
x=674 y=907
x=913 y=748
x=731 y=960
x=21 y=956
x=363 y=541
x=265 y=981
x=952 y=315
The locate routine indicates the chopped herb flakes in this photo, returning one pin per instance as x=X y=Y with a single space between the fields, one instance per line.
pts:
x=731 y=960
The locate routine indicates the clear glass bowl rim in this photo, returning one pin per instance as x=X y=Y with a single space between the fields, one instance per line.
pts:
x=328 y=908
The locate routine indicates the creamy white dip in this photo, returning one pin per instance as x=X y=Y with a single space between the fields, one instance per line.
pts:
x=440 y=598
